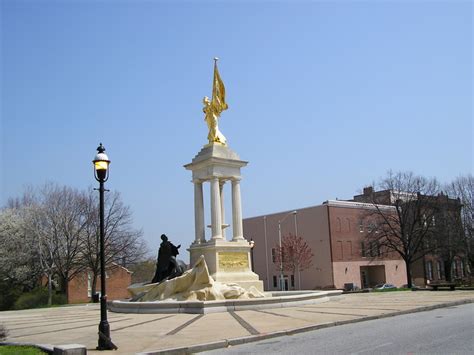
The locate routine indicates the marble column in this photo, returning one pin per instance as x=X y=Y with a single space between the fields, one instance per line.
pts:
x=236 y=211
x=221 y=190
x=199 y=213
x=216 y=217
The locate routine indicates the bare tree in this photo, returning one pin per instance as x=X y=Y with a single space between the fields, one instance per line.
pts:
x=36 y=226
x=408 y=228
x=52 y=218
x=64 y=217
x=123 y=244
x=143 y=270
x=53 y=231
x=31 y=218
x=295 y=255
x=462 y=188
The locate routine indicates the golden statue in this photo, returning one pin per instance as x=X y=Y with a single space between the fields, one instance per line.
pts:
x=214 y=107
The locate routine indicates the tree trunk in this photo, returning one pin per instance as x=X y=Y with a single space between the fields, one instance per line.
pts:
x=447 y=270
x=67 y=291
x=65 y=287
x=94 y=287
x=408 y=267
x=50 y=290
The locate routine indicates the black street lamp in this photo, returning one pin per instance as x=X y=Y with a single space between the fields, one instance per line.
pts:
x=101 y=173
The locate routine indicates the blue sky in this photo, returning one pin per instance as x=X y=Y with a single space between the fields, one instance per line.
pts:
x=324 y=97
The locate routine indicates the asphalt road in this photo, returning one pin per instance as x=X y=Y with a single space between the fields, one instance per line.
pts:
x=441 y=331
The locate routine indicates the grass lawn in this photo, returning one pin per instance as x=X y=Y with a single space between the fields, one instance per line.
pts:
x=21 y=350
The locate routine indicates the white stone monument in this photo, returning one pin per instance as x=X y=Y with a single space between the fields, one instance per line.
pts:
x=228 y=261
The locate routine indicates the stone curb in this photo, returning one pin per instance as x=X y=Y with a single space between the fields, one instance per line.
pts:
x=252 y=338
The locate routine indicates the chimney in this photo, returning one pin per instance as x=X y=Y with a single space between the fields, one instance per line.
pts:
x=368 y=191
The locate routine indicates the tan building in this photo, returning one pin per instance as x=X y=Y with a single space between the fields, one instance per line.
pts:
x=334 y=231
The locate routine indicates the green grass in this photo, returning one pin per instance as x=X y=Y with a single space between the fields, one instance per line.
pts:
x=20 y=350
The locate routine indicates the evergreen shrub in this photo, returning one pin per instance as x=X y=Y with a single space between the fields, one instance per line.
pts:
x=38 y=298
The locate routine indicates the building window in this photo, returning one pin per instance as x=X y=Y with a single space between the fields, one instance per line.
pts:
x=372 y=227
x=427 y=244
x=292 y=280
x=340 y=252
x=461 y=268
x=369 y=227
x=349 y=248
x=361 y=225
x=429 y=270
x=275 y=284
x=362 y=249
x=273 y=255
x=348 y=224
x=338 y=224
x=438 y=270
x=373 y=249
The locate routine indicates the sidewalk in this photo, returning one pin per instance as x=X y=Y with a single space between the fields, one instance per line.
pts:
x=152 y=333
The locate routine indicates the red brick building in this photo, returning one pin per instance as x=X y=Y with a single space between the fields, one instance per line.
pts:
x=449 y=263
x=118 y=279
x=335 y=232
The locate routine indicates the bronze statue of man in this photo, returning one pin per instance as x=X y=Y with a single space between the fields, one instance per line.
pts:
x=166 y=263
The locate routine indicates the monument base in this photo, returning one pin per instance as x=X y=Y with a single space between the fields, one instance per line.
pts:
x=227 y=261
x=282 y=299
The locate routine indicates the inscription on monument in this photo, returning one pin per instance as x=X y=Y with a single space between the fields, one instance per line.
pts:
x=229 y=261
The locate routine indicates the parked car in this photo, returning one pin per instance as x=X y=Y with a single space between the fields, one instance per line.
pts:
x=384 y=286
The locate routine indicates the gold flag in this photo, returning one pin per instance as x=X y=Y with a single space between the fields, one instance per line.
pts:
x=218 y=92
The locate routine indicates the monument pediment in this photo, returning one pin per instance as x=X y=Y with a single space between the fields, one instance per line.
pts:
x=215 y=154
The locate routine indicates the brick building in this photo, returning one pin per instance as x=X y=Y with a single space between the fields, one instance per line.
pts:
x=444 y=214
x=335 y=233
x=118 y=279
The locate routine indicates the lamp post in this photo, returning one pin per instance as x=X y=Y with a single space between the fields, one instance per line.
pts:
x=282 y=283
x=101 y=172
x=266 y=250
x=252 y=245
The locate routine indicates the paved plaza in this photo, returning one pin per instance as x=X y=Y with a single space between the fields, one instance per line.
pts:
x=154 y=333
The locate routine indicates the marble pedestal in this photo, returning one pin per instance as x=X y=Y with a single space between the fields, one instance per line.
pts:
x=228 y=262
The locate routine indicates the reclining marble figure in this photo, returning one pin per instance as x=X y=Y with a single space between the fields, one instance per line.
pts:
x=194 y=284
